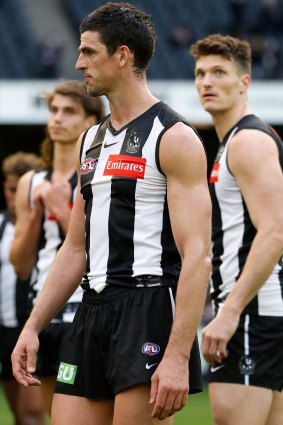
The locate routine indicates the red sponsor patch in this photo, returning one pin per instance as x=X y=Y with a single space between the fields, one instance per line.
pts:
x=214 y=173
x=125 y=166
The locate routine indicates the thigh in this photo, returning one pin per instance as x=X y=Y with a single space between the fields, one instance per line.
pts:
x=275 y=416
x=132 y=408
x=68 y=409
x=239 y=404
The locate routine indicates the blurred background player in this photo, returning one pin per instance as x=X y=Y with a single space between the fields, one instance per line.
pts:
x=25 y=403
x=244 y=342
x=43 y=204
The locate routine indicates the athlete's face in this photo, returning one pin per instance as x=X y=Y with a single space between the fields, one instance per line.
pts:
x=67 y=119
x=10 y=187
x=99 y=69
x=219 y=83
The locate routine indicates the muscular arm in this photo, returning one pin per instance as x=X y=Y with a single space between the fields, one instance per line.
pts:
x=253 y=159
x=63 y=279
x=183 y=161
x=28 y=227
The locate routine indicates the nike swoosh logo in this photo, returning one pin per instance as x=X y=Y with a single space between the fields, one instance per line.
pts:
x=148 y=366
x=214 y=369
x=110 y=144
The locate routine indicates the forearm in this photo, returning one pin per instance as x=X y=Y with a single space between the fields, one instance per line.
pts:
x=191 y=292
x=25 y=245
x=63 y=279
x=264 y=254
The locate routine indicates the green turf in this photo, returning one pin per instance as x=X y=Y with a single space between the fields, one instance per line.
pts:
x=196 y=412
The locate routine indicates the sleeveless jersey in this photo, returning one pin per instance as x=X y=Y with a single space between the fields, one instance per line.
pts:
x=129 y=239
x=233 y=231
x=13 y=291
x=51 y=239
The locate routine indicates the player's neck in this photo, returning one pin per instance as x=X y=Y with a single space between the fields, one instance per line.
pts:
x=224 y=121
x=129 y=102
x=64 y=160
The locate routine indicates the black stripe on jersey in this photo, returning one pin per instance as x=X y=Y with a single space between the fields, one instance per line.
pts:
x=121 y=227
x=218 y=248
x=248 y=237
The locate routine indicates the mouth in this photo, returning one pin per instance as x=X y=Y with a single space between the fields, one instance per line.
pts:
x=208 y=96
x=56 y=129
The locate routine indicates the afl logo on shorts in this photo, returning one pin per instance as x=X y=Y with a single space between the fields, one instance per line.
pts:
x=88 y=165
x=150 y=348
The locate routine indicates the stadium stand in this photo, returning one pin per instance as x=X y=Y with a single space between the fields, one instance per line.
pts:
x=18 y=46
x=259 y=21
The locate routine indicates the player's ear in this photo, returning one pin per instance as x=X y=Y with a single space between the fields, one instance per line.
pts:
x=245 y=82
x=124 y=55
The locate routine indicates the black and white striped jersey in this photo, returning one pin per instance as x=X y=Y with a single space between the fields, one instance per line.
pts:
x=51 y=239
x=128 y=233
x=13 y=291
x=233 y=231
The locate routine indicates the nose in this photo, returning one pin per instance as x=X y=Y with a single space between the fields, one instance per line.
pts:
x=58 y=115
x=207 y=80
x=80 y=63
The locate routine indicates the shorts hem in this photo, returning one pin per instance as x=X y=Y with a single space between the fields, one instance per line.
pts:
x=267 y=385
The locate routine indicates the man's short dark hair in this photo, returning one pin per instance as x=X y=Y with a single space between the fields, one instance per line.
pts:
x=229 y=47
x=123 y=24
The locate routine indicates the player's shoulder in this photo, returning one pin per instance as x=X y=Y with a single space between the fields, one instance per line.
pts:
x=251 y=141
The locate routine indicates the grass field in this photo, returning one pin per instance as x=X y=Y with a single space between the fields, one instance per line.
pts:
x=196 y=412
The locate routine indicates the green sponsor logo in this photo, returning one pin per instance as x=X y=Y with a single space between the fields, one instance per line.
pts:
x=67 y=373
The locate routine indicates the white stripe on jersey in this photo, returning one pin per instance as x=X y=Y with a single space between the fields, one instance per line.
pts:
x=8 y=279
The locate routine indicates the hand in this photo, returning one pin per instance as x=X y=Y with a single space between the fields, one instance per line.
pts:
x=169 y=387
x=56 y=197
x=24 y=359
x=216 y=335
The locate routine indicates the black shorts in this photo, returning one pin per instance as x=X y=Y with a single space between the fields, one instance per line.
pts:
x=51 y=341
x=8 y=340
x=255 y=354
x=117 y=340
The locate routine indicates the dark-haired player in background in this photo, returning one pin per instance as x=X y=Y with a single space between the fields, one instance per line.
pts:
x=244 y=342
x=140 y=232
